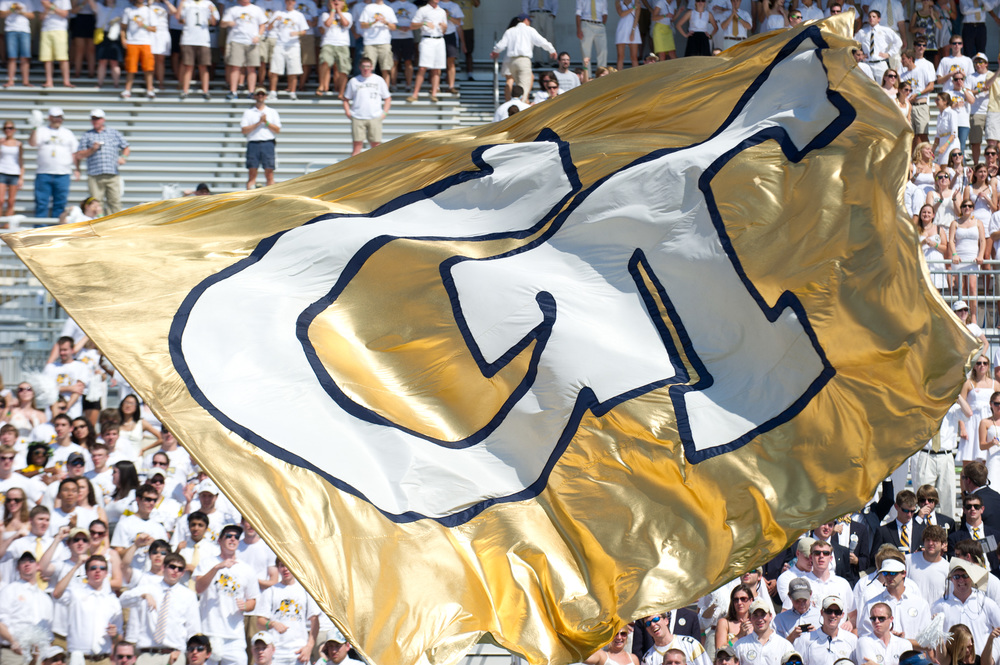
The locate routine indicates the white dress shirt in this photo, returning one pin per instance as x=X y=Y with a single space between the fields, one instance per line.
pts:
x=520 y=41
x=183 y=615
x=90 y=612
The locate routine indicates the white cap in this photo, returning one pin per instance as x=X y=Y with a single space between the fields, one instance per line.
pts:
x=97 y=113
x=959 y=304
x=207 y=486
x=262 y=636
x=335 y=636
x=980 y=56
x=52 y=652
x=760 y=603
x=832 y=600
x=55 y=112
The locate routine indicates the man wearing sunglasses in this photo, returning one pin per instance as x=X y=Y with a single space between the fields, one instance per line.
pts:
x=831 y=642
x=93 y=612
x=822 y=578
x=903 y=532
x=163 y=616
x=228 y=589
x=975 y=481
x=904 y=601
x=966 y=604
x=974 y=527
x=131 y=527
x=881 y=646
x=199 y=650
x=658 y=627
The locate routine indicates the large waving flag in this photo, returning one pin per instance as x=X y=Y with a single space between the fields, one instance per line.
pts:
x=541 y=377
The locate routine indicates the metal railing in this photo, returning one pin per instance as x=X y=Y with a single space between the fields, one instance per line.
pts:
x=978 y=287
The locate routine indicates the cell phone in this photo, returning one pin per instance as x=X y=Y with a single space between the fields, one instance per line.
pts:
x=806 y=627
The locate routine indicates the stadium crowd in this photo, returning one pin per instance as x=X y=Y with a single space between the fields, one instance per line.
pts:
x=114 y=545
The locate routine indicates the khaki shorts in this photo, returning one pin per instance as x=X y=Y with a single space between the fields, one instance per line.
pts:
x=242 y=55
x=920 y=118
x=992 y=126
x=308 y=43
x=267 y=49
x=339 y=56
x=195 y=55
x=977 y=128
x=53 y=45
x=366 y=129
x=380 y=55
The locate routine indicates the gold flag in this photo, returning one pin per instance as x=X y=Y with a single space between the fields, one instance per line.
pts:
x=541 y=377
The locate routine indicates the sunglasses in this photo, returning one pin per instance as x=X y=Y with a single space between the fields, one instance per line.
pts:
x=891 y=76
x=147 y=498
x=8 y=129
x=196 y=647
x=157 y=552
x=80 y=539
x=833 y=612
x=98 y=534
x=973 y=506
x=230 y=535
x=978 y=362
x=890 y=574
x=876 y=619
x=6 y=458
x=959 y=78
x=650 y=622
x=822 y=553
x=991 y=153
x=24 y=389
x=97 y=568
x=159 y=464
x=175 y=567
x=963 y=207
x=14 y=499
x=908 y=511
x=959 y=576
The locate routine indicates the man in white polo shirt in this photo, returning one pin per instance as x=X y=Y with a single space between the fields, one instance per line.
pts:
x=763 y=646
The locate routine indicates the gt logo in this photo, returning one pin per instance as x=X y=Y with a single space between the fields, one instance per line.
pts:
x=437 y=355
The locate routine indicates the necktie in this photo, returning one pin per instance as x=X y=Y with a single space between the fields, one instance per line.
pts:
x=975 y=533
x=736 y=24
x=936 y=443
x=593 y=10
x=42 y=584
x=160 y=633
x=871 y=46
x=904 y=537
x=195 y=559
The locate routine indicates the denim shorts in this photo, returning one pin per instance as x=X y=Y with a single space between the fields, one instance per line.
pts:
x=8 y=179
x=18 y=45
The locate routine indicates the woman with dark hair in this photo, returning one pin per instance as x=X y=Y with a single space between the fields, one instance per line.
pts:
x=133 y=429
x=83 y=433
x=25 y=414
x=88 y=498
x=38 y=460
x=933 y=243
x=701 y=26
x=126 y=481
x=15 y=511
x=736 y=624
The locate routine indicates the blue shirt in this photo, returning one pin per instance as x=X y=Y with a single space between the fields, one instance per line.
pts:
x=105 y=160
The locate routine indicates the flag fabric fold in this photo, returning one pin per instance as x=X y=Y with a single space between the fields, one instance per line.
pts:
x=544 y=376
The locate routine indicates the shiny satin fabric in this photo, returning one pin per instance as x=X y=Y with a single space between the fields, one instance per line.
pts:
x=626 y=524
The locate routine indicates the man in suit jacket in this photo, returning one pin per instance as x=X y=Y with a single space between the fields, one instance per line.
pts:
x=973 y=527
x=929 y=509
x=903 y=532
x=975 y=480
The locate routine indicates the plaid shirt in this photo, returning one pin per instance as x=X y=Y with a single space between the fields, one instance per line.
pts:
x=105 y=160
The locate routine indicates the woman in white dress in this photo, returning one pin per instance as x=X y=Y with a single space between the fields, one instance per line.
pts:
x=980 y=191
x=923 y=168
x=967 y=244
x=946 y=138
x=933 y=243
x=989 y=436
x=943 y=198
x=976 y=393
x=133 y=429
x=627 y=33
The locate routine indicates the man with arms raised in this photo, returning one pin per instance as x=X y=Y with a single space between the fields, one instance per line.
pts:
x=227 y=588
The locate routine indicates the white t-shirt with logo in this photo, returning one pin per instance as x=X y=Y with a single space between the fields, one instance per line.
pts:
x=246 y=23
x=197 y=15
x=336 y=34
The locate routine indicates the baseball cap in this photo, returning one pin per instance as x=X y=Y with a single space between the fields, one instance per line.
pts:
x=75 y=458
x=981 y=56
x=207 y=486
x=262 y=637
x=799 y=588
x=830 y=601
x=55 y=112
x=231 y=527
x=97 y=113
x=959 y=304
x=760 y=604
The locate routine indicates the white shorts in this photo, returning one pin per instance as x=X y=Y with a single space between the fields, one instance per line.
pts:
x=432 y=53
x=161 y=42
x=287 y=58
x=229 y=652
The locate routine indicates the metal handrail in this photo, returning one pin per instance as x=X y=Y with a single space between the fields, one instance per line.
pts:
x=496 y=77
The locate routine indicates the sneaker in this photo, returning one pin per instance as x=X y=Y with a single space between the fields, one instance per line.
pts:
x=184 y=95
x=272 y=96
x=207 y=96
x=125 y=94
x=151 y=94
x=411 y=98
x=230 y=96
x=292 y=96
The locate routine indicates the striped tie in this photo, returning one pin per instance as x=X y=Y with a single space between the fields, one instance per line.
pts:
x=160 y=634
x=975 y=533
x=904 y=538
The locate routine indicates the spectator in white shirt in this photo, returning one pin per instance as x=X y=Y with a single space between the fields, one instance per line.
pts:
x=519 y=42
x=165 y=615
x=94 y=617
